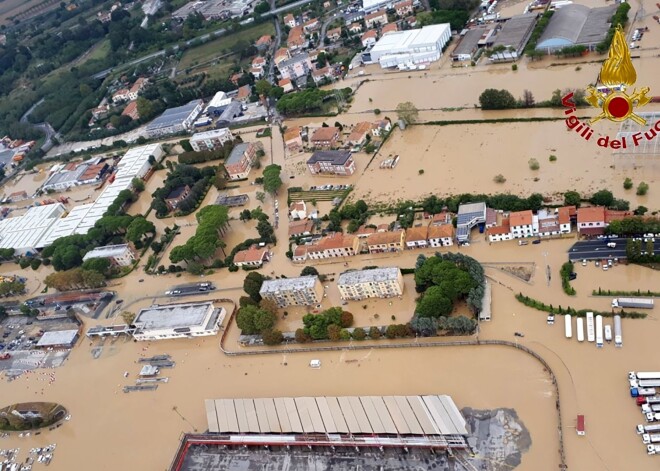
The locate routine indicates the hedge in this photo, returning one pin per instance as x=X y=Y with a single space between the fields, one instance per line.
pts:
x=538 y=305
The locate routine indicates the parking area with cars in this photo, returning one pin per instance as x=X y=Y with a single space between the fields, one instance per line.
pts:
x=190 y=289
x=608 y=247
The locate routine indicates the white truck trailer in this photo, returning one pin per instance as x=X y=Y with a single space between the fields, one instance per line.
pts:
x=638 y=303
x=618 y=339
x=599 y=331
x=652 y=449
x=591 y=333
x=649 y=438
x=642 y=429
x=644 y=375
x=580 y=329
x=568 y=326
x=649 y=383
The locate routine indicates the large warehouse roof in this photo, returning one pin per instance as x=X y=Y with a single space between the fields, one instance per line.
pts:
x=174 y=116
x=402 y=415
x=516 y=32
x=25 y=232
x=577 y=24
x=399 y=41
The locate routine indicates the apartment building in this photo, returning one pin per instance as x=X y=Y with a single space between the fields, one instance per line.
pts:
x=440 y=236
x=332 y=246
x=239 y=163
x=522 y=224
x=331 y=162
x=302 y=291
x=389 y=241
x=374 y=283
x=211 y=140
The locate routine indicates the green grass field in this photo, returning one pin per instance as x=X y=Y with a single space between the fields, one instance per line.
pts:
x=217 y=47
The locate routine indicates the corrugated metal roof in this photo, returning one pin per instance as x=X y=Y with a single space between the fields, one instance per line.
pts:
x=212 y=416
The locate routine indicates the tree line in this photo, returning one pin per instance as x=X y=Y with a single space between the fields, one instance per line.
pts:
x=183 y=175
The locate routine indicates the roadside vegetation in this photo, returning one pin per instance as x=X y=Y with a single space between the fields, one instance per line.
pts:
x=566 y=270
x=539 y=306
x=639 y=292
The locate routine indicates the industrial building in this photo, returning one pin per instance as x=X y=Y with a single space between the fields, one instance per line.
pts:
x=172 y=321
x=372 y=5
x=302 y=291
x=120 y=255
x=58 y=339
x=416 y=421
x=218 y=103
x=25 y=233
x=374 y=283
x=175 y=120
x=63 y=176
x=513 y=36
x=576 y=25
x=210 y=140
x=471 y=41
x=415 y=46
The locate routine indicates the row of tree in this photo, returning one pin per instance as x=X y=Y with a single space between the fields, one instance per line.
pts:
x=634 y=226
x=76 y=278
x=196 y=157
x=207 y=239
x=327 y=324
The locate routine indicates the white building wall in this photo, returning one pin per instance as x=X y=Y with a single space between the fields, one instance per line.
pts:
x=500 y=237
x=441 y=242
x=565 y=228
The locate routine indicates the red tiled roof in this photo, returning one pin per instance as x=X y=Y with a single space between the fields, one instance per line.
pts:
x=505 y=228
x=612 y=215
x=439 y=232
x=253 y=254
x=414 y=234
x=325 y=134
x=564 y=214
x=388 y=237
x=591 y=214
x=300 y=227
x=334 y=241
x=521 y=218
x=359 y=131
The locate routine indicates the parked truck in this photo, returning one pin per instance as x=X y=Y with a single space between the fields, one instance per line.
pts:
x=568 y=326
x=649 y=438
x=652 y=449
x=648 y=383
x=652 y=417
x=636 y=392
x=599 y=331
x=618 y=339
x=647 y=399
x=580 y=329
x=646 y=408
x=608 y=333
x=638 y=303
x=642 y=429
x=591 y=333
x=643 y=375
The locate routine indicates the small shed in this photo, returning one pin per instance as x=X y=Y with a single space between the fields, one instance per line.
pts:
x=580 y=425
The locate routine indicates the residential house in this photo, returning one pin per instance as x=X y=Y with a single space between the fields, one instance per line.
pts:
x=369 y=38
x=253 y=257
x=374 y=283
x=263 y=42
x=382 y=227
x=299 y=254
x=404 y=8
x=334 y=34
x=332 y=246
x=244 y=93
x=363 y=232
x=290 y=21
x=547 y=223
x=286 y=85
x=501 y=232
x=176 y=196
x=381 y=128
x=441 y=219
x=302 y=291
x=325 y=137
x=236 y=77
x=137 y=87
x=522 y=224
x=359 y=134
x=389 y=28
x=296 y=39
x=131 y=111
x=298 y=210
x=355 y=28
x=120 y=96
x=258 y=64
x=441 y=235
x=389 y=241
x=311 y=25
x=491 y=217
x=416 y=237
x=376 y=18
x=321 y=74
x=100 y=111
x=566 y=215
x=591 y=220
x=412 y=21
x=301 y=228
x=120 y=255
x=240 y=160
x=331 y=162
x=211 y=140
x=296 y=67
x=281 y=54
x=293 y=139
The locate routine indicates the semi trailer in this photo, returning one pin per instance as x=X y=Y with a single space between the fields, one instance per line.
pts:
x=638 y=303
x=641 y=429
x=568 y=326
x=618 y=339
x=580 y=329
x=591 y=332
x=599 y=331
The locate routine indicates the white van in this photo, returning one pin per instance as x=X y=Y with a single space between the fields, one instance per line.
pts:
x=315 y=364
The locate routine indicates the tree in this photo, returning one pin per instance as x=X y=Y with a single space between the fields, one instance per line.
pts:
x=492 y=99
x=309 y=271
x=434 y=303
x=253 y=320
x=391 y=331
x=642 y=188
x=128 y=317
x=138 y=228
x=424 y=326
x=138 y=184
x=374 y=332
x=528 y=99
x=627 y=184
x=261 y=196
x=272 y=337
x=602 y=198
x=252 y=285
x=268 y=305
x=407 y=112
x=272 y=180
x=101 y=265
x=301 y=336
x=641 y=210
x=359 y=334
x=266 y=231
x=334 y=332
x=572 y=198
x=346 y=319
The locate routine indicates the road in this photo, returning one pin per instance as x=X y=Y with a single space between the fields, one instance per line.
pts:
x=289 y=6
x=46 y=128
x=597 y=249
x=190 y=289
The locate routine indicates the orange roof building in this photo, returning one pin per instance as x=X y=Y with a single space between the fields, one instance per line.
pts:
x=335 y=245
x=252 y=257
x=416 y=237
x=389 y=241
x=441 y=236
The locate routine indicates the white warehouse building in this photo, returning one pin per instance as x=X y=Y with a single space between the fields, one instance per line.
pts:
x=415 y=46
x=171 y=321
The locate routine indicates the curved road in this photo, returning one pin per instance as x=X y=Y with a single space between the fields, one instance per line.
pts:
x=46 y=128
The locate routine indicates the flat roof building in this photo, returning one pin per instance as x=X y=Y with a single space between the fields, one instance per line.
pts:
x=470 y=43
x=333 y=162
x=415 y=46
x=172 y=321
x=120 y=254
x=218 y=103
x=210 y=140
x=374 y=283
x=469 y=215
x=174 y=120
x=58 y=339
x=576 y=25
x=25 y=233
x=514 y=35
x=302 y=291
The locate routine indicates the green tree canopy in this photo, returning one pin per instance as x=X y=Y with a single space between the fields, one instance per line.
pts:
x=492 y=99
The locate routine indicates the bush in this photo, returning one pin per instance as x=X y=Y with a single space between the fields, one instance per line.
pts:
x=627 y=184
x=420 y=171
x=359 y=334
x=565 y=273
x=533 y=164
x=376 y=111
x=552 y=158
x=499 y=178
x=514 y=67
x=642 y=188
x=35 y=264
x=374 y=333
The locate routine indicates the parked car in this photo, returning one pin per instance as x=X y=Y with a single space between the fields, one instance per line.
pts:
x=572 y=276
x=536 y=241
